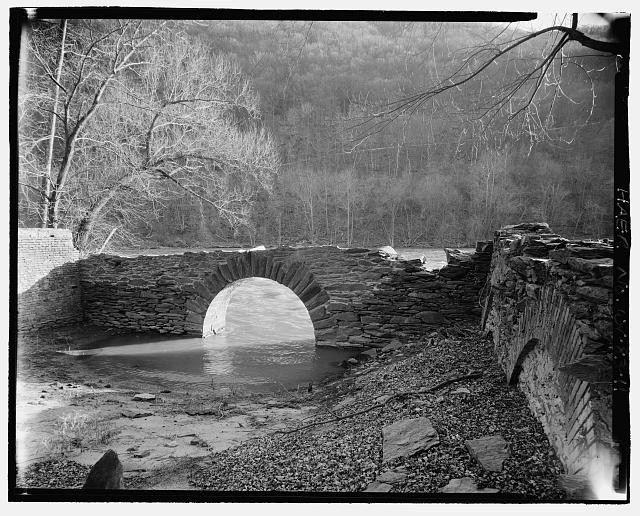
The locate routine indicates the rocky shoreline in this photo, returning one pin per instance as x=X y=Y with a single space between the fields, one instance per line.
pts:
x=441 y=403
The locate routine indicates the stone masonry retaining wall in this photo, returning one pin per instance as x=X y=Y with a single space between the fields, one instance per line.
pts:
x=355 y=297
x=550 y=312
x=48 y=282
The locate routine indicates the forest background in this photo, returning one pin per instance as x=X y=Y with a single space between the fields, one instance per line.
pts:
x=320 y=172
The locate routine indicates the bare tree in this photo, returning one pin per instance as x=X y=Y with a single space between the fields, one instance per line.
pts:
x=146 y=113
x=522 y=103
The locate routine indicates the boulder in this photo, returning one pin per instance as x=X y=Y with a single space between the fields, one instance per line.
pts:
x=457 y=257
x=106 y=473
x=490 y=451
x=465 y=485
x=407 y=437
x=388 y=251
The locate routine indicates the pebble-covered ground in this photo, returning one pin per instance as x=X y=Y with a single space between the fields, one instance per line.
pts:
x=54 y=473
x=347 y=455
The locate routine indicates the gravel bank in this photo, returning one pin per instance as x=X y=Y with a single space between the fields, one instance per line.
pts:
x=345 y=456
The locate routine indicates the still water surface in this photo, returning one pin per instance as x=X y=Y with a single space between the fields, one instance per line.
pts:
x=267 y=343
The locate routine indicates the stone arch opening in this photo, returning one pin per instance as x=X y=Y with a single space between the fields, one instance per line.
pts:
x=208 y=311
x=262 y=303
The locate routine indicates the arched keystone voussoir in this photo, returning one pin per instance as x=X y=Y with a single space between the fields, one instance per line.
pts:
x=280 y=272
x=311 y=290
x=319 y=312
x=268 y=267
x=224 y=271
x=290 y=273
x=275 y=269
x=319 y=299
x=260 y=263
x=235 y=267
x=202 y=290
x=301 y=279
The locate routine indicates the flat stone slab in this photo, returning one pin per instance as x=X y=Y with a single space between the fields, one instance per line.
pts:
x=465 y=485
x=144 y=396
x=407 y=437
x=391 y=477
x=133 y=414
x=461 y=390
x=490 y=451
x=378 y=487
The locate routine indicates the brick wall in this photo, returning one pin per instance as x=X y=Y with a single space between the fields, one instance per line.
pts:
x=48 y=281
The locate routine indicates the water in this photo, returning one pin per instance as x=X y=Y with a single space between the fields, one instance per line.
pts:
x=267 y=344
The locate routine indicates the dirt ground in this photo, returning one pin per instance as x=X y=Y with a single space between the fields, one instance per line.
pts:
x=63 y=410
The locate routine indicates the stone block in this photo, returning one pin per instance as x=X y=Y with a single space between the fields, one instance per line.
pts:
x=407 y=437
x=430 y=317
x=324 y=323
x=360 y=340
x=490 y=451
x=346 y=316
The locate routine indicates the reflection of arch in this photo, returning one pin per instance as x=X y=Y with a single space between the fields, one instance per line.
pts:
x=208 y=305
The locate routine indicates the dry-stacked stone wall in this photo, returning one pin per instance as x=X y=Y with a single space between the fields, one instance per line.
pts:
x=355 y=297
x=550 y=311
x=48 y=282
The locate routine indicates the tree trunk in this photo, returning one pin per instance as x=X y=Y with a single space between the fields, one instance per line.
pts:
x=83 y=232
x=46 y=178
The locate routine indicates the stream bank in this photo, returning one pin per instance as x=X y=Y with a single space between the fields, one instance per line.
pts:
x=66 y=418
x=250 y=442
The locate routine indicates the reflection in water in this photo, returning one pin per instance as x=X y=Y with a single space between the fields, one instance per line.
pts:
x=268 y=341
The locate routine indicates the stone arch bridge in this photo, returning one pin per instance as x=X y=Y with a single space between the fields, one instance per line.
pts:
x=548 y=303
x=355 y=297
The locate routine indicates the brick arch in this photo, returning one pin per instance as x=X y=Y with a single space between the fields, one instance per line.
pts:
x=546 y=343
x=530 y=345
x=207 y=306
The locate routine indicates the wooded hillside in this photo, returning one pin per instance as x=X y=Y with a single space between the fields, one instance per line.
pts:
x=440 y=174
